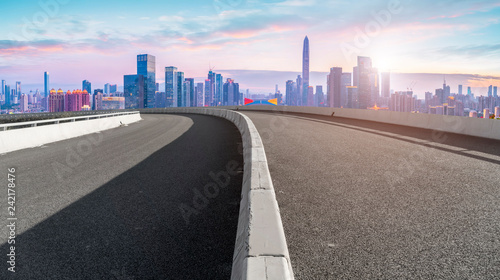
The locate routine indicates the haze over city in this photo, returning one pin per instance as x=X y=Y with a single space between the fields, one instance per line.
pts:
x=98 y=41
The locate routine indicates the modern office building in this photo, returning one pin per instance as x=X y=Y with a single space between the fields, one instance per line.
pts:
x=346 y=82
x=23 y=103
x=181 y=90
x=8 y=96
x=219 y=88
x=207 y=96
x=46 y=84
x=134 y=91
x=18 y=90
x=86 y=85
x=334 y=87
x=291 y=90
x=364 y=71
x=319 y=98
x=231 y=93
x=495 y=93
x=459 y=89
x=146 y=66
x=386 y=84
x=305 y=71
x=191 y=100
x=171 y=84
x=352 y=97
x=199 y=95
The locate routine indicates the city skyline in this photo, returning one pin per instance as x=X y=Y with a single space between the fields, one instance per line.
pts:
x=97 y=46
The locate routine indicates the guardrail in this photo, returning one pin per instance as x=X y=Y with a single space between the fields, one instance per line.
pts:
x=18 y=125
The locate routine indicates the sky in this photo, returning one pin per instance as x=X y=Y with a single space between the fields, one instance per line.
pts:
x=243 y=39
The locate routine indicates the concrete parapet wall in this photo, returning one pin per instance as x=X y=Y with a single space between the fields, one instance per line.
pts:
x=486 y=128
x=29 y=137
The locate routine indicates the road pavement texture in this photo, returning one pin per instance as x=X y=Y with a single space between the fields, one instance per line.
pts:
x=365 y=200
x=107 y=205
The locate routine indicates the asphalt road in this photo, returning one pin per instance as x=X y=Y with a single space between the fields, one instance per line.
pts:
x=108 y=205
x=361 y=200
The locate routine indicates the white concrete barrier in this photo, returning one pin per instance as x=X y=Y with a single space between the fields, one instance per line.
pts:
x=49 y=131
x=486 y=128
x=260 y=249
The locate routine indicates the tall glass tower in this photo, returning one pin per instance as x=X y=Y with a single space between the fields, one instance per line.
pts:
x=171 y=84
x=46 y=84
x=305 y=71
x=146 y=66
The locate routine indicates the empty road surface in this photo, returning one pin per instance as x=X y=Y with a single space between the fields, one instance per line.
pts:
x=361 y=200
x=108 y=205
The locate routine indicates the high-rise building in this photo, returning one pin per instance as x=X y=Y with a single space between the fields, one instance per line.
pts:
x=495 y=94
x=18 y=90
x=219 y=88
x=86 y=85
x=133 y=91
x=146 y=66
x=346 y=82
x=386 y=84
x=352 y=97
x=469 y=91
x=171 y=84
x=8 y=96
x=24 y=103
x=459 y=89
x=207 y=96
x=200 y=102
x=310 y=96
x=3 y=92
x=113 y=88
x=46 y=84
x=190 y=93
x=212 y=98
x=230 y=93
x=490 y=91
x=300 y=89
x=107 y=90
x=56 y=101
x=291 y=89
x=98 y=96
x=305 y=71
x=334 y=87
x=319 y=97
x=181 y=90
x=364 y=70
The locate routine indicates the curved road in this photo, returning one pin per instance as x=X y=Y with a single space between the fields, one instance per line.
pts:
x=364 y=200
x=108 y=205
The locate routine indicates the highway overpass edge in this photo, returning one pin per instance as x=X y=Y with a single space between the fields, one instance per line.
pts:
x=261 y=250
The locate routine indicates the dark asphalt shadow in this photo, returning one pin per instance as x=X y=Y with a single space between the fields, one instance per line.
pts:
x=132 y=227
x=464 y=142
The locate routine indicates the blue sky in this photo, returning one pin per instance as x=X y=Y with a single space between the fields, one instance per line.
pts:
x=98 y=40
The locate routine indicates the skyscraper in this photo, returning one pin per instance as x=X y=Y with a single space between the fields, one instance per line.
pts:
x=334 y=87
x=8 y=96
x=212 y=98
x=190 y=93
x=495 y=93
x=459 y=89
x=207 y=99
x=133 y=91
x=490 y=91
x=86 y=85
x=346 y=82
x=171 y=84
x=230 y=93
x=18 y=90
x=219 y=85
x=3 y=91
x=199 y=95
x=386 y=84
x=364 y=70
x=146 y=66
x=291 y=88
x=46 y=84
x=305 y=71
x=181 y=90
x=319 y=97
